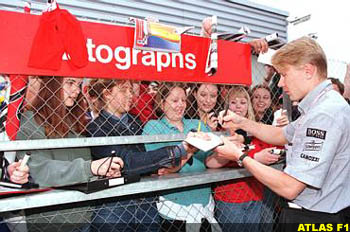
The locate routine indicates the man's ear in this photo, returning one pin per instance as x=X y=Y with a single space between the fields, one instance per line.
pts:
x=310 y=71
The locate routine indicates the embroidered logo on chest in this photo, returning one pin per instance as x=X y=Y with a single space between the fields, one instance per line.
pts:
x=316 y=133
x=313 y=146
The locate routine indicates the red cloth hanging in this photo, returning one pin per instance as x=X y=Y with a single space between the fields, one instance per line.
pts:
x=58 y=32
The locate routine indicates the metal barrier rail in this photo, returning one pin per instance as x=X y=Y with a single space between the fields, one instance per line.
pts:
x=147 y=184
x=43 y=144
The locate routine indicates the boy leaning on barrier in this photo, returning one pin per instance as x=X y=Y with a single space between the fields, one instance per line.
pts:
x=317 y=163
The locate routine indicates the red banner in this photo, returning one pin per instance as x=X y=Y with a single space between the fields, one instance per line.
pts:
x=18 y=87
x=111 y=55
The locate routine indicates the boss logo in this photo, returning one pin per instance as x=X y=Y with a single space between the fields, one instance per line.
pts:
x=316 y=133
x=313 y=146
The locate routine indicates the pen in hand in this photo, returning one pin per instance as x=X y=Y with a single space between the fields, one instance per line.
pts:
x=25 y=160
x=225 y=113
x=226 y=110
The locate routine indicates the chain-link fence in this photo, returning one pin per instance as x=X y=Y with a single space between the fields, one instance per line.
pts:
x=56 y=108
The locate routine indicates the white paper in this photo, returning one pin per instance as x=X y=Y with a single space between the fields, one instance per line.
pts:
x=265 y=58
x=276 y=115
x=205 y=145
x=116 y=181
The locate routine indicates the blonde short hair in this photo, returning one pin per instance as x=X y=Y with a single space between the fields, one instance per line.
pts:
x=301 y=51
x=239 y=91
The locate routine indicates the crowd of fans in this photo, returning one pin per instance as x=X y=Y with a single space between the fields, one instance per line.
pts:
x=98 y=108
x=61 y=108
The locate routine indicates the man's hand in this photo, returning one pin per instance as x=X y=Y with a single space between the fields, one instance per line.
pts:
x=102 y=167
x=282 y=120
x=259 y=45
x=230 y=120
x=230 y=150
x=17 y=173
x=206 y=27
x=265 y=156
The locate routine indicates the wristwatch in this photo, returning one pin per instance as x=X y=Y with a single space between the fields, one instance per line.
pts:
x=241 y=158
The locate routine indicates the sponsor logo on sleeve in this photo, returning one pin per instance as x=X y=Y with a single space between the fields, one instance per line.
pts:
x=316 y=133
x=313 y=146
x=309 y=157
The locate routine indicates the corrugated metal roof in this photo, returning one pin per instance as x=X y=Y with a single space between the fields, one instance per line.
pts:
x=260 y=7
x=232 y=15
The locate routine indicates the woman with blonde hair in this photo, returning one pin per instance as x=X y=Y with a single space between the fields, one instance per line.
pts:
x=238 y=100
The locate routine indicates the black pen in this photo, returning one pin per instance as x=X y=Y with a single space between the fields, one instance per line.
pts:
x=220 y=124
x=225 y=113
x=226 y=110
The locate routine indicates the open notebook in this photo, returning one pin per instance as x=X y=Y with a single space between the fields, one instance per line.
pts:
x=205 y=145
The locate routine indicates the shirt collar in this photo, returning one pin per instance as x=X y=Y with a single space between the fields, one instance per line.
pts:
x=165 y=121
x=309 y=99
